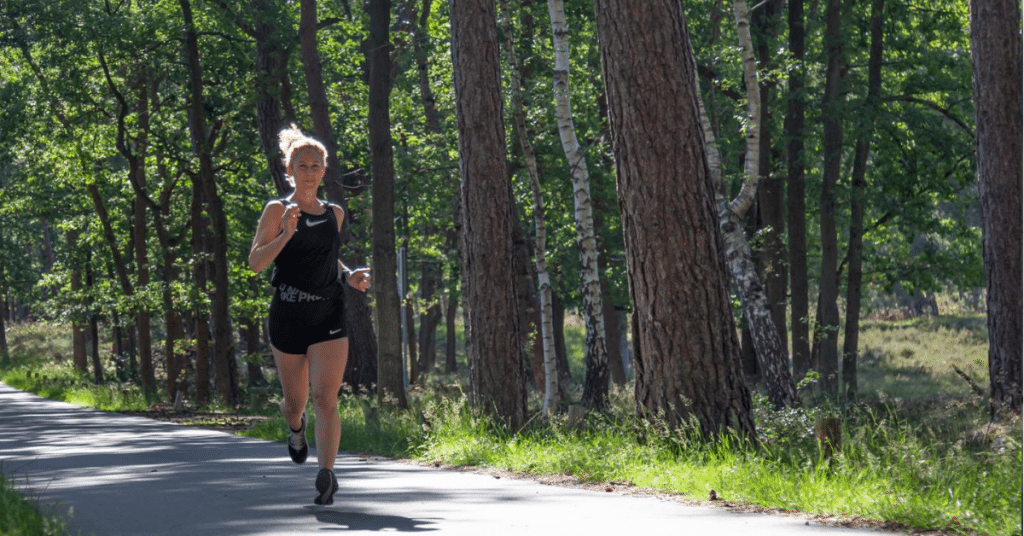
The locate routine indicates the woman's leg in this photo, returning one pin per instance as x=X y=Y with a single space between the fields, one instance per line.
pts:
x=327 y=370
x=293 y=371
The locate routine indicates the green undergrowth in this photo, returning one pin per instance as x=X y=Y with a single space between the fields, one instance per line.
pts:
x=21 y=516
x=919 y=454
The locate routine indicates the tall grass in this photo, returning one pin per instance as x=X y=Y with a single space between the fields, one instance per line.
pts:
x=917 y=449
x=20 y=516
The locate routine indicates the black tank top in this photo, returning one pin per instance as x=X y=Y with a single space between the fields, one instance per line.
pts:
x=309 y=261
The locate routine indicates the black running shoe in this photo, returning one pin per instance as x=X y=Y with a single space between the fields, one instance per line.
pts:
x=298 y=448
x=326 y=485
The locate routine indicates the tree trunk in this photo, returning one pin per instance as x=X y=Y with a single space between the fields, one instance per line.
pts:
x=996 y=58
x=224 y=367
x=200 y=314
x=390 y=380
x=612 y=317
x=80 y=357
x=497 y=379
x=270 y=60
x=771 y=191
x=429 y=320
x=595 y=383
x=858 y=199
x=94 y=332
x=361 y=371
x=139 y=237
x=796 y=203
x=772 y=364
x=5 y=353
x=548 y=376
x=451 y=364
x=685 y=348
x=828 y=358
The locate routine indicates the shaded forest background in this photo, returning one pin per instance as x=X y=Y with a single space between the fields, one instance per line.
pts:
x=136 y=155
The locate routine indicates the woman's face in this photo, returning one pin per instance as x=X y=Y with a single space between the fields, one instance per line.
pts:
x=307 y=168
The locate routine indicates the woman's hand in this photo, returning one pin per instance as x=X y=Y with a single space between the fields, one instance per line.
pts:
x=359 y=279
x=290 y=219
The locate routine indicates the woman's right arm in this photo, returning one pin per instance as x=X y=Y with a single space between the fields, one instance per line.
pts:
x=276 y=227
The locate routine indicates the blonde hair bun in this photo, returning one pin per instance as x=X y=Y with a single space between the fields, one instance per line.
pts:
x=292 y=139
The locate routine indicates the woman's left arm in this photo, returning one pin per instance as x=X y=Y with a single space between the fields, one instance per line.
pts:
x=359 y=278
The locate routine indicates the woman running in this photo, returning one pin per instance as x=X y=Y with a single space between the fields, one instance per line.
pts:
x=299 y=234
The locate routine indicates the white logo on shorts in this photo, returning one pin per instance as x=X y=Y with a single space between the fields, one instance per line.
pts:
x=334 y=331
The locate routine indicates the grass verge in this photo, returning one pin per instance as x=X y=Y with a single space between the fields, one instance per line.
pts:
x=20 y=516
x=920 y=459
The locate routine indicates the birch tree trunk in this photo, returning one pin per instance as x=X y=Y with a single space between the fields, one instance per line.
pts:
x=595 y=384
x=550 y=375
x=772 y=358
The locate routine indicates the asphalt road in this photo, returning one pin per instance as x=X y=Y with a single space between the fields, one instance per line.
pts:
x=111 y=474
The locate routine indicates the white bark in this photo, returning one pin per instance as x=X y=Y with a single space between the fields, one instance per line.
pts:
x=540 y=259
x=597 y=352
x=773 y=359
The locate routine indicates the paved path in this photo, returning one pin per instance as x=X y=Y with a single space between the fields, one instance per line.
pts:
x=113 y=474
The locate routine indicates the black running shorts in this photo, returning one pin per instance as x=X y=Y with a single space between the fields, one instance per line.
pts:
x=299 y=320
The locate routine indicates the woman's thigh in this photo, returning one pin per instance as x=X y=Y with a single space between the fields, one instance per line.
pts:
x=327 y=362
x=293 y=372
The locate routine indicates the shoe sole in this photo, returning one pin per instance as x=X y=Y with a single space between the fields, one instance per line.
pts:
x=327 y=485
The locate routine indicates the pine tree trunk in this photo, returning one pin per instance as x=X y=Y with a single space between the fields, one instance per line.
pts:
x=80 y=357
x=828 y=288
x=858 y=200
x=497 y=379
x=771 y=194
x=548 y=377
x=996 y=58
x=223 y=362
x=390 y=381
x=686 y=351
x=595 y=383
x=139 y=238
x=270 y=61
x=796 y=203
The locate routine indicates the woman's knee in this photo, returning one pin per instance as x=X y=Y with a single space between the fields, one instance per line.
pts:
x=325 y=402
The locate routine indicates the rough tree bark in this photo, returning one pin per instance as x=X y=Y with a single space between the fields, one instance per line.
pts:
x=686 y=352
x=497 y=379
x=390 y=379
x=858 y=184
x=549 y=376
x=224 y=369
x=361 y=371
x=796 y=203
x=828 y=287
x=595 y=383
x=996 y=58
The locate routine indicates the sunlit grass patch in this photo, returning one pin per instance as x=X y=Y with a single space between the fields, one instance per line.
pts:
x=20 y=516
